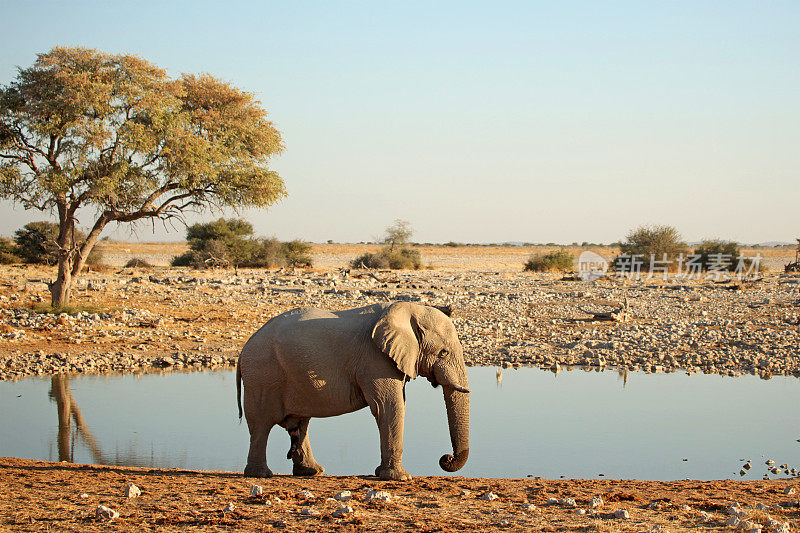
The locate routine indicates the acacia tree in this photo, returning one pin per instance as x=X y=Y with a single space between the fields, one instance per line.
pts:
x=115 y=136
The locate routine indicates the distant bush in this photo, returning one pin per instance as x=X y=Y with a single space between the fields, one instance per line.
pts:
x=36 y=242
x=297 y=253
x=138 y=262
x=656 y=242
x=9 y=253
x=555 y=260
x=396 y=254
x=230 y=243
x=722 y=255
x=399 y=259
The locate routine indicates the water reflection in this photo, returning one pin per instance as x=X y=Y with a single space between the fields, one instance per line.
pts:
x=68 y=411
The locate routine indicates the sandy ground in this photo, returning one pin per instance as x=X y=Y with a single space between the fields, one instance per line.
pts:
x=42 y=496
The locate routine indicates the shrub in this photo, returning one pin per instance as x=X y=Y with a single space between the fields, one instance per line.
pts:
x=138 y=262
x=296 y=253
x=555 y=260
x=9 y=253
x=723 y=255
x=400 y=259
x=396 y=255
x=36 y=242
x=653 y=241
x=229 y=242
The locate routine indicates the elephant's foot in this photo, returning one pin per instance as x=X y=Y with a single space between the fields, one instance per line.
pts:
x=257 y=471
x=307 y=470
x=398 y=473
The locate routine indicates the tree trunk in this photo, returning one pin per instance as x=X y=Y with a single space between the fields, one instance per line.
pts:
x=61 y=288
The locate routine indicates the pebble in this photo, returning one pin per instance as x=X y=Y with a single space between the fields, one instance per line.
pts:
x=789 y=491
x=104 y=513
x=280 y=523
x=83 y=495
x=343 y=496
x=552 y=501
x=529 y=507
x=580 y=511
x=306 y=495
x=306 y=511
x=464 y=492
x=488 y=496
x=132 y=491
x=685 y=507
x=256 y=490
x=596 y=502
x=229 y=508
x=622 y=513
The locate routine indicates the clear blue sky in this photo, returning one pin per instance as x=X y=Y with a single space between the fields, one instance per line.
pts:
x=485 y=122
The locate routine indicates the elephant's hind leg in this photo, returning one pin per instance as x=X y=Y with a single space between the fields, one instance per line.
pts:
x=259 y=422
x=300 y=452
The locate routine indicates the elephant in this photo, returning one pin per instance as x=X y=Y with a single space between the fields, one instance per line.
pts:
x=311 y=362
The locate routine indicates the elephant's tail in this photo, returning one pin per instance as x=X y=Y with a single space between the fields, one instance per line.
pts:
x=239 y=388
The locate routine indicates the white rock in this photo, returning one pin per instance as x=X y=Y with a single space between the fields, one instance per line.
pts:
x=280 y=523
x=343 y=510
x=132 y=491
x=306 y=495
x=104 y=513
x=761 y=507
x=256 y=490
x=343 y=496
x=580 y=511
x=732 y=521
x=83 y=495
x=705 y=517
x=622 y=513
x=489 y=496
x=788 y=491
x=378 y=495
x=568 y=502
x=596 y=502
x=528 y=507
x=229 y=508
x=306 y=511
x=464 y=492
x=685 y=507
x=552 y=501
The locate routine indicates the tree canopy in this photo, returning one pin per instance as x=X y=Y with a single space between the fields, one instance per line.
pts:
x=82 y=128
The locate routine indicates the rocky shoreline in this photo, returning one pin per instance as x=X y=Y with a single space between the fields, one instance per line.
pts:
x=183 y=319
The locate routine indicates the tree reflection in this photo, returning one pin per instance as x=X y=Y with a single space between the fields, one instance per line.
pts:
x=68 y=413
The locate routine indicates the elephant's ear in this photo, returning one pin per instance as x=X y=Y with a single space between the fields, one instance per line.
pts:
x=394 y=335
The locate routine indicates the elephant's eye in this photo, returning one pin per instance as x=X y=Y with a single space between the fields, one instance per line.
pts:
x=443 y=353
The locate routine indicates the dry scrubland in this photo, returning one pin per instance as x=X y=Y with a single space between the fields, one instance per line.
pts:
x=163 y=319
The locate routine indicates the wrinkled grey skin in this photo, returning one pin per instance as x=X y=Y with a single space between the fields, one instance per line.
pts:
x=313 y=363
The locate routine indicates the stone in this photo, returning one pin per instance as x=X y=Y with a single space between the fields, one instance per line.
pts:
x=789 y=491
x=568 y=502
x=464 y=492
x=685 y=507
x=229 y=508
x=343 y=496
x=378 y=495
x=104 y=513
x=132 y=491
x=732 y=521
x=529 y=507
x=622 y=513
x=306 y=495
x=256 y=490
x=488 y=496
x=596 y=502
x=83 y=495
x=342 y=511
x=552 y=501
x=307 y=511
x=280 y=524
x=580 y=511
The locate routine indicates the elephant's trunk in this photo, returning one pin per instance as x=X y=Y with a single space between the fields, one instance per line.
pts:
x=457 y=404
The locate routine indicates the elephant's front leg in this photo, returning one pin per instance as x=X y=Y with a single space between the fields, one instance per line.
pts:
x=301 y=456
x=389 y=411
